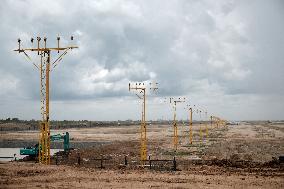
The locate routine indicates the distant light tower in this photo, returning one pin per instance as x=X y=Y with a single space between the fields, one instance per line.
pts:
x=200 y=126
x=141 y=88
x=206 y=125
x=174 y=102
x=190 y=122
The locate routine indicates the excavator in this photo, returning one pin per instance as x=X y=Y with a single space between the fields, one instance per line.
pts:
x=33 y=151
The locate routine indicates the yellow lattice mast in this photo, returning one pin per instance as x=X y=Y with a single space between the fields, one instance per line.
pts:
x=200 y=126
x=44 y=66
x=190 y=122
x=218 y=121
x=173 y=102
x=141 y=89
x=213 y=118
x=206 y=125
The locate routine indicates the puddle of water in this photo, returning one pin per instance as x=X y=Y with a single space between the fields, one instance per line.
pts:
x=9 y=152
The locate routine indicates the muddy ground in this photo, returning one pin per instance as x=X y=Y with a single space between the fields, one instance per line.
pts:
x=236 y=156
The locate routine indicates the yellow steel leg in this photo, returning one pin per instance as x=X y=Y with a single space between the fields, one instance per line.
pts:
x=143 y=151
x=175 y=136
x=175 y=129
x=143 y=148
x=190 y=127
x=200 y=133
x=206 y=131
x=44 y=144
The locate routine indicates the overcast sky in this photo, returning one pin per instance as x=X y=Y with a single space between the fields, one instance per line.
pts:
x=225 y=56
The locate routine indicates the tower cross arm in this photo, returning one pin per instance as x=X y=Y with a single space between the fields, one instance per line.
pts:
x=137 y=88
x=46 y=49
x=177 y=101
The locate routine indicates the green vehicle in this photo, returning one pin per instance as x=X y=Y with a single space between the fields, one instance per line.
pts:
x=33 y=151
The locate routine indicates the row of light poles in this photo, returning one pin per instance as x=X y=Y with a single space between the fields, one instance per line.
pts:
x=140 y=89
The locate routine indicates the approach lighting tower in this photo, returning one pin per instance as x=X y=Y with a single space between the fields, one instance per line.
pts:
x=44 y=67
x=200 y=126
x=216 y=120
x=190 y=122
x=174 y=102
x=206 y=125
x=141 y=89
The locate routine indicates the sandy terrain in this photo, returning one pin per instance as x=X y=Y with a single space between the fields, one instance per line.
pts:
x=237 y=156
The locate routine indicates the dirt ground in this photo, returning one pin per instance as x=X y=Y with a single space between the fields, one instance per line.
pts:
x=236 y=156
x=26 y=175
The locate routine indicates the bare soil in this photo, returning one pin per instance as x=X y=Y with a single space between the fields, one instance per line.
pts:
x=27 y=175
x=237 y=156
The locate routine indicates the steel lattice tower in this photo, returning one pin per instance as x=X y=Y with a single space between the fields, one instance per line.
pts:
x=174 y=101
x=141 y=88
x=45 y=66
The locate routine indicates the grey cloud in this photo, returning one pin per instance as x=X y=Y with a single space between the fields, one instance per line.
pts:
x=192 y=48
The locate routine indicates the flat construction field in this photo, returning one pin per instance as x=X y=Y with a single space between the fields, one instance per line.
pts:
x=235 y=156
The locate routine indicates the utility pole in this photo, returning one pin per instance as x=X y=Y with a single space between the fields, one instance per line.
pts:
x=174 y=101
x=44 y=66
x=141 y=88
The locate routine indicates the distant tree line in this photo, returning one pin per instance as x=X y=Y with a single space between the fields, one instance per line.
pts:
x=15 y=124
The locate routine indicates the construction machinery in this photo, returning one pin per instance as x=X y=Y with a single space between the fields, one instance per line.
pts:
x=45 y=66
x=33 y=151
